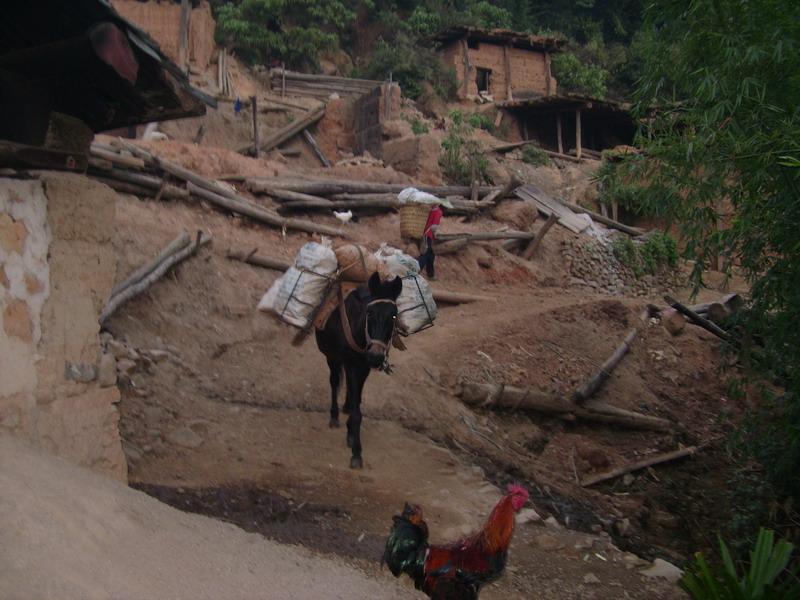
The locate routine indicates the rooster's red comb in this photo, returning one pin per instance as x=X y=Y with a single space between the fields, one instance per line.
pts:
x=516 y=489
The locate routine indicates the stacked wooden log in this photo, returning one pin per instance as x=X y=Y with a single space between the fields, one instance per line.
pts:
x=319 y=86
x=130 y=169
x=364 y=197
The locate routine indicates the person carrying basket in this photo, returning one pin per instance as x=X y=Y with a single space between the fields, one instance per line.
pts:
x=427 y=256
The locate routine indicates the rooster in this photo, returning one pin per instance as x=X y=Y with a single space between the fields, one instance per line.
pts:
x=459 y=570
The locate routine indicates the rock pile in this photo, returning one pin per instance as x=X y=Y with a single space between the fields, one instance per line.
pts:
x=593 y=265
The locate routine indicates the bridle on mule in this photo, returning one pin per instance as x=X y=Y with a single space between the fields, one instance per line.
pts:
x=370 y=343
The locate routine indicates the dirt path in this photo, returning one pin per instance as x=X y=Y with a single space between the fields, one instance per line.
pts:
x=228 y=419
x=68 y=533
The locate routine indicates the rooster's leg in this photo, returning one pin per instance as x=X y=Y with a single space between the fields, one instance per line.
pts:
x=335 y=379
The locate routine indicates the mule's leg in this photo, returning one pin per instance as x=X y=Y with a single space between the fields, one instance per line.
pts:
x=336 y=380
x=356 y=376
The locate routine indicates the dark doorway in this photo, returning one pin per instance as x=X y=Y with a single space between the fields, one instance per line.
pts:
x=483 y=79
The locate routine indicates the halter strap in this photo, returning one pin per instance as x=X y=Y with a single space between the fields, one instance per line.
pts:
x=348 y=331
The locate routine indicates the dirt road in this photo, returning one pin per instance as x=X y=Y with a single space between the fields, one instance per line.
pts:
x=68 y=533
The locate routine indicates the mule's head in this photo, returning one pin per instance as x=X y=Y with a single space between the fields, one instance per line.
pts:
x=381 y=318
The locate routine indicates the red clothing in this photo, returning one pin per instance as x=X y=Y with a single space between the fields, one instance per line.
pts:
x=434 y=218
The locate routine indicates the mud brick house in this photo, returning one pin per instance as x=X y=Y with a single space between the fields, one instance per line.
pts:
x=499 y=63
x=67 y=70
x=184 y=29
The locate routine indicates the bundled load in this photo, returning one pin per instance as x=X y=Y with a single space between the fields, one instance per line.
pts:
x=306 y=291
x=356 y=263
x=295 y=295
x=416 y=308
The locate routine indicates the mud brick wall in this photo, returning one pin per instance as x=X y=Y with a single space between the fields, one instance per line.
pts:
x=57 y=268
x=528 y=69
x=162 y=21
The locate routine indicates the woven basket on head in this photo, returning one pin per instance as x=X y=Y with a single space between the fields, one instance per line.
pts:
x=413 y=217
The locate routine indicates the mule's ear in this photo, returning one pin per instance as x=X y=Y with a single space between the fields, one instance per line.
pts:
x=374 y=285
x=395 y=287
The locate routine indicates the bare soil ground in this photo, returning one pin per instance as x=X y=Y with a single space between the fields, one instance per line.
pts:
x=230 y=420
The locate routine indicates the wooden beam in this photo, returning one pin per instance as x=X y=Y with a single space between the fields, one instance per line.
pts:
x=183 y=35
x=180 y=242
x=548 y=74
x=642 y=464
x=157 y=273
x=585 y=391
x=493 y=395
x=697 y=319
x=559 y=134
x=506 y=147
x=536 y=242
x=315 y=147
x=256 y=147
x=507 y=60
x=578 y=134
x=288 y=131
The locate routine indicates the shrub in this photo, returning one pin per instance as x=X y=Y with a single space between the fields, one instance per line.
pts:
x=577 y=76
x=535 y=156
x=481 y=121
x=766 y=577
x=462 y=157
x=418 y=127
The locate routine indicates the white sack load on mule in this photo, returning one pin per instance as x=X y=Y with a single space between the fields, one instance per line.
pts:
x=416 y=308
x=294 y=296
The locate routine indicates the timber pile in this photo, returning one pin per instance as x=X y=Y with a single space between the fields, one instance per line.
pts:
x=311 y=195
x=318 y=86
x=130 y=169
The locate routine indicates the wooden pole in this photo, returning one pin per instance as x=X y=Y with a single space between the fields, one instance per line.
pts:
x=256 y=147
x=534 y=245
x=262 y=215
x=484 y=236
x=325 y=187
x=175 y=245
x=157 y=273
x=492 y=395
x=267 y=262
x=587 y=390
x=283 y=80
x=559 y=134
x=507 y=60
x=288 y=131
x=512 y=146
x=183 y=39
x=315 y=147
x=548 y=74
x=697 y=319
x=642 y=464
x=578 y=134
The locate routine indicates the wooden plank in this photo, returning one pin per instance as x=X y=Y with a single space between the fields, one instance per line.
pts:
x=288 y=131
x=634 y=231
x=315 y=147
x=23 y=156
x=547 y=206
x=536 y=242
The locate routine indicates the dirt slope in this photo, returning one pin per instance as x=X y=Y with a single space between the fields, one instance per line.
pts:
x=232 y=420
x=69 y=533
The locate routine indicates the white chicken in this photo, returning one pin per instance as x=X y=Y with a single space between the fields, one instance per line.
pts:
x=344 y=217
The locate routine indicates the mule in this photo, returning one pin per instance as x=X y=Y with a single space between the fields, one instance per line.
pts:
x=356 y=339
